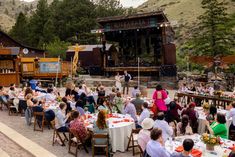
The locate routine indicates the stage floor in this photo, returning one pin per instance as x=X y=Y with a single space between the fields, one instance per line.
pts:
x=135 y=69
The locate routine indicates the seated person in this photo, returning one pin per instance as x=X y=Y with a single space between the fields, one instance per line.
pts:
x=183 y=127
x=188 y=147
x=50 y=96
x=79 y=107
x=135 y=91
x=90 y=104
x=193 y=116
x=3 y=95
x=81 y=90
x=118 y=103
x=167 y=130
x=61 y=118
x=130 y=109
x=101 y=126
x=219 y=127
x=144 y=134
x=138 y=102
x=101 y=96
x=144 y=114
x=155 y=147
x=38 y=88
x=172 y=113
x=13 y=97
x=78 y=127
x=112 y=95
x=68 y=108
x=106 y=106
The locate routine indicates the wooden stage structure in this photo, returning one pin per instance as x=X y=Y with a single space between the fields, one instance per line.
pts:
x=148 y=37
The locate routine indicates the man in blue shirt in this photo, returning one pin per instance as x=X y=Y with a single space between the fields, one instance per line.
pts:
x=155 y=147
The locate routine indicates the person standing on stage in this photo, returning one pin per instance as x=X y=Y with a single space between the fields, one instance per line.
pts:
x=127 y=78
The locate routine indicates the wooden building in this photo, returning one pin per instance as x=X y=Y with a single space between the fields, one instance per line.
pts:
x=91 y=57
x=10 y=53
x=148 y=36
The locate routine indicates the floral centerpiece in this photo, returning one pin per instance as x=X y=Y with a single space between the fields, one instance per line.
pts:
x=59 y=99
x=210 y=140
x=218 y=93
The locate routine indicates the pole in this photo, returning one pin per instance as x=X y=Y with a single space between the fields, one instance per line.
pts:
x=138 y=72
x=56 y=79
x=71 y=67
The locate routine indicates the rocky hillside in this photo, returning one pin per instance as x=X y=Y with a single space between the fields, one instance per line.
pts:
x=9 y=10
x=181 y=13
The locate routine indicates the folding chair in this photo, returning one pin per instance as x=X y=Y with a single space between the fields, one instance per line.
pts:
x=75 y=138
x=56 y=133
x=11 y=109
x=39 y=119
x=133 y=140
x=104 y=136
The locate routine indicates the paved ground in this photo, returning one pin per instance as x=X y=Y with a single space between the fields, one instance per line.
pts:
x=44 y=138
x=11 y=148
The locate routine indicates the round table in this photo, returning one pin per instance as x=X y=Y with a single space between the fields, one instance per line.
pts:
x=202 y=119
x=220 y=150
x=120 y=127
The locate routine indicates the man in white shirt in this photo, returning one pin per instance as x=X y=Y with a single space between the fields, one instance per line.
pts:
x=155 y=147
x=144 y=114
x=160 y=123
x=81 y=90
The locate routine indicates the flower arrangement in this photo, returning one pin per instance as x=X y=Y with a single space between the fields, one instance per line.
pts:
x=59 y=99
x=218 y=92
x=206 y=106
x=210 y=139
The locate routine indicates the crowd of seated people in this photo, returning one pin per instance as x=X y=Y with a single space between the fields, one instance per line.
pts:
x=172 y=119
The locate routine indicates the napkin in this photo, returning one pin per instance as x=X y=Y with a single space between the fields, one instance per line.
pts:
x=194 y=153
x=115 y=122
x=232 y=147
x=126 y=120
x=112 y=116
x=89 y=116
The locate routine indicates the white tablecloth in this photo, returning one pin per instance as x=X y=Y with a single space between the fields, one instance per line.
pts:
x=220 y=150
x=202 y=119
x=118 y=132
x=38 y=96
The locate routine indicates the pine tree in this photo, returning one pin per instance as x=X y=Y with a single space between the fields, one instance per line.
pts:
x=37 y=24
x=212 y=37
x=106 y=8
x=19 y=31
x=75 y=16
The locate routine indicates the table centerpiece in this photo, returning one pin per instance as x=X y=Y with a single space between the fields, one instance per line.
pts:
x=210 y=141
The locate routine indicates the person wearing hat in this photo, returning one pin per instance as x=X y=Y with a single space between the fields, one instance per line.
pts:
x=193 y=116
x=144 y=134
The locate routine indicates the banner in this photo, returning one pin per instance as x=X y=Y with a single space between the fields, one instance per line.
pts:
x=49 y=67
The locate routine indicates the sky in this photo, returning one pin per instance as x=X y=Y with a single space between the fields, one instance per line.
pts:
x=125 y=3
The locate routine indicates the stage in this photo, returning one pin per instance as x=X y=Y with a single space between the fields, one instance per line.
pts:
x=133 y=69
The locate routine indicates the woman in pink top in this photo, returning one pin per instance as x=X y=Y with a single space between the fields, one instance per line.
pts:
x=159 y=96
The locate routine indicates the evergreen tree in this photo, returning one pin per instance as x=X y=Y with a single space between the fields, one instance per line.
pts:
x=106 y=8
x=212 y=36
x=75 y=16
x=37 y=24
x=19 y=31
x=57 y=48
